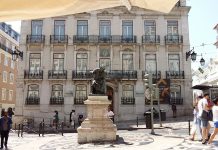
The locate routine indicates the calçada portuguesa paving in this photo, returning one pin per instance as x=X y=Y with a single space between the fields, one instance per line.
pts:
x=173 y=135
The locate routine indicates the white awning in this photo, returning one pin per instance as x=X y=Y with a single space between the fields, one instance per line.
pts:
x=11 y=10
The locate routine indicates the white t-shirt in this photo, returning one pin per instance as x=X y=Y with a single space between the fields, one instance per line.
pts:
x=201 y=106
x=215 y=113
x=110 y=114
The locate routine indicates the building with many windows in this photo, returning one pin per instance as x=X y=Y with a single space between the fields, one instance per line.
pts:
x=60 y=52
x=9 y=39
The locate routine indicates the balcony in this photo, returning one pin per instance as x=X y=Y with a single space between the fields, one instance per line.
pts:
x=32 y=101
x=127 y=100
x=79 y=100
x=128 y=39
x=81 y=75
x=104 y=39
x=173 y=39
x=176 y=100
x=35 y=39
x=57 y=74
x=151 y=39
x=56 y=100
x=58 y=39
x=175 y=75
x=155 y=74
x=35 y=75
x=122 y=75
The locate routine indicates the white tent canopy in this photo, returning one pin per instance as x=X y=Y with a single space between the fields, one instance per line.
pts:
x=11 y=10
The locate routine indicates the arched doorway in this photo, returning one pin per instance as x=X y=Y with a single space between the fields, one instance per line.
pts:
x=110 y=97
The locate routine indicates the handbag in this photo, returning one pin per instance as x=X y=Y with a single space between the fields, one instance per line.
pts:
x=205 y=115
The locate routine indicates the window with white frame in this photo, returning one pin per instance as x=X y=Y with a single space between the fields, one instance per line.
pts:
x=81 y=91
x=58 y=62
x=172 y=27
x=175 y=91
x=4 y=94
x=5 y=76
x=81 y=62
x=33 y=91
x=128 y=90
x=36 y=27
x=10 y=95
x=35 y=62
x=104 y=28
x=150 y=27
x=104 y=60
x=150 y=63
x=59 y=27
x=127 y=62
x=127 y=28
x=6 y=61
x=57 y=90
x=11 y=78
x=173 y=62
x=82 y=27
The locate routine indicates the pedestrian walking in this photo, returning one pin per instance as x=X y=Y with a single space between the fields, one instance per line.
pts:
x=110 y=114
x=72 y=118
x=5 y=126
x=56 y=119
x=174 y=109
x=215 y=120
x=10 y=112
x=204 y=108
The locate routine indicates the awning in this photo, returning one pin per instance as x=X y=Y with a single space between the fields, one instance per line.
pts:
x=201 y=87
x=11 y=10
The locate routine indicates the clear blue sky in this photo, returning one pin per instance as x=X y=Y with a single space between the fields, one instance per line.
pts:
x=203 y=16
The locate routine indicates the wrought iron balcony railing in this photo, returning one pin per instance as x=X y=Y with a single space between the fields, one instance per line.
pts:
x=173 y=39
x=56 y=100
x=176 y=100
x=129 y=39
x=104 y=39
x=37 y=39
x=127 y=100
x=33 y=74
x=85 y=75
x=59 y=39
x=79 y=100
x=155 y=74
x=57 y=74
x=151 y=39
x=175 y=75
x=32 y=100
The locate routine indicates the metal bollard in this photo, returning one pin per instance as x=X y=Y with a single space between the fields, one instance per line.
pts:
x=18 y=130
x=74 y=126
x=40 y=127
x=189 y=127
x=21 y=134
x=62 y=128
x=43 y=129
x=15 y=126
x=137 y=121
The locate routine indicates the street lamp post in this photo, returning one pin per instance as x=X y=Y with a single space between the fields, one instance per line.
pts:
x=16 y=54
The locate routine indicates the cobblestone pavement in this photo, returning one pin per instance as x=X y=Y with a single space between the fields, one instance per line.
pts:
x=172 y=136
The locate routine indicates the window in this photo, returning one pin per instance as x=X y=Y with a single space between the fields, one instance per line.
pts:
x=128 y=94
x=150 y=27
x=81 y=91
x=5 y=76
x=81 y=62
x=82 y=27
x=11 y=78
x=150 y=63
x=6 y=61
x=12 y=64
x=35 y=62
x=10 y=95
x=57 y=90
x=3 y=93
x=172 y=27
x=59 y=27
x=36 y=27
x=104 y=60
x=105 y=28
x=175 y=91
x=127 y=28
x=174 y=62
x=33 y=91
x=127 y=62
x=58 y=62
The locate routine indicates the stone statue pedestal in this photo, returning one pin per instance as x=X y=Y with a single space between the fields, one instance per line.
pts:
x=97 y=127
